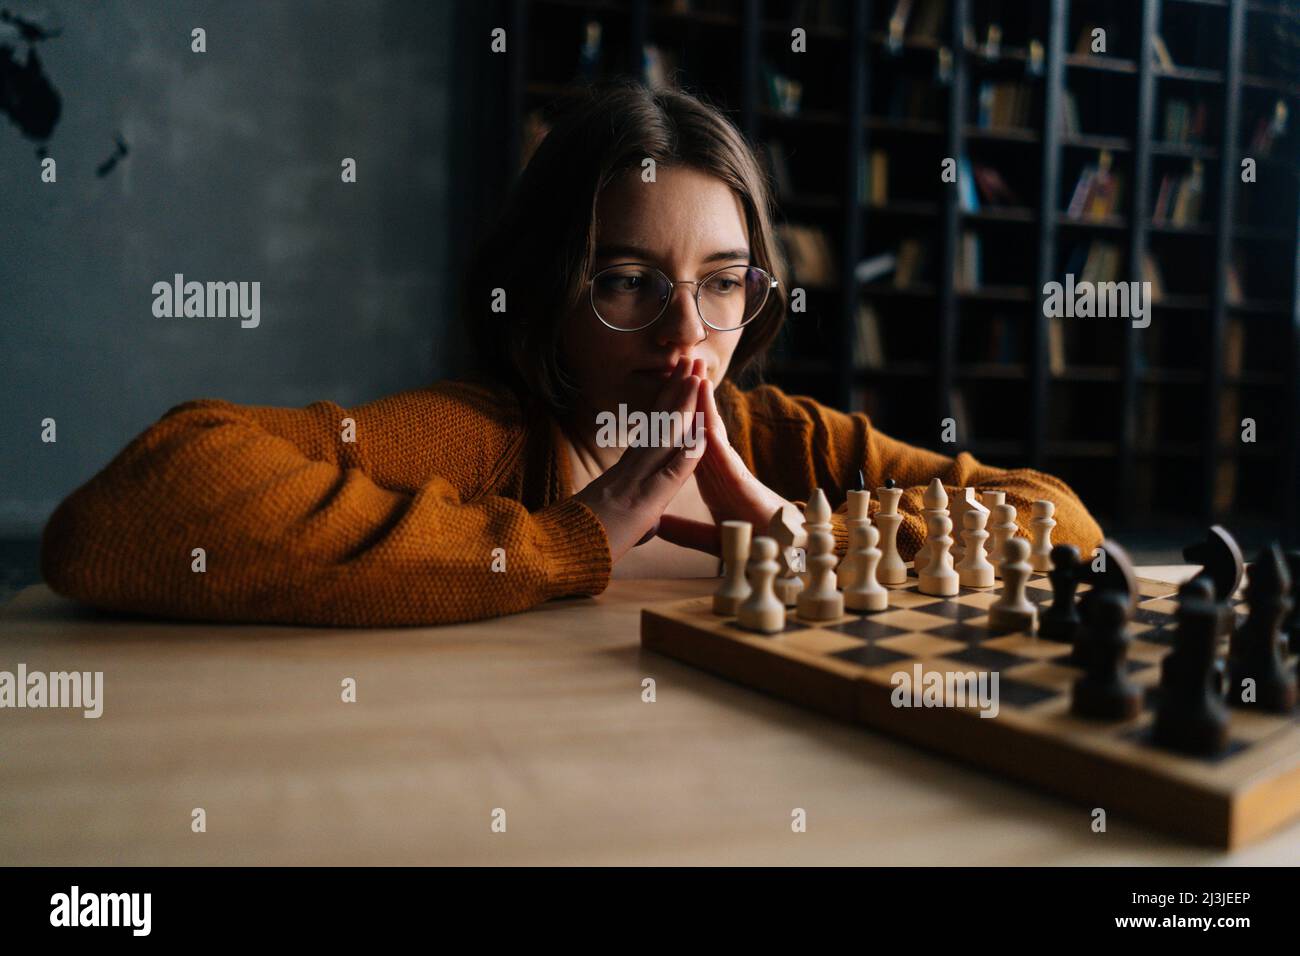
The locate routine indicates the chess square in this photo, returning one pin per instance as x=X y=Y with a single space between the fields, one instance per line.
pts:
x=1026 y=646
x=1039 y=584
x=910 y=620
x=1047 y=675
x=954 y=610
x=969 y=632
x=817 y=641
x=1019 y=694
x=921 y=645
x=1148 y=615
x=985 y=658
x=866 y=628
x=1038 y=596
x=979 y=599
x=1144 y=650
x=869 y=655
x=910 y=598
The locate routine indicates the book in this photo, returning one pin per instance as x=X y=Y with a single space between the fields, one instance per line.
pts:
x=911 y=263
x=868 y=346
x=808 y=251
x=1151 y=273
x=877 y=267
x=1161 y=53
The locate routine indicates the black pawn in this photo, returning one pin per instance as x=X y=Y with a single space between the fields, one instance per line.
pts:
x=1190 y=717
x=1104 y=692
x=1060 y=622
x=1256 y=650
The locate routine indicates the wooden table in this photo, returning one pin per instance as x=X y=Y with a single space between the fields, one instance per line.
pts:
x=539 y=714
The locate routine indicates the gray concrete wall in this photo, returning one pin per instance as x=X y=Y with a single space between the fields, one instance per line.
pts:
x=233 y=173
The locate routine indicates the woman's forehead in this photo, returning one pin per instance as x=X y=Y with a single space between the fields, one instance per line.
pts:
x=680 y=210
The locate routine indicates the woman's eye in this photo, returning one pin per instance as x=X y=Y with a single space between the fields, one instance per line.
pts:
x=724 y=285
x=626 y=282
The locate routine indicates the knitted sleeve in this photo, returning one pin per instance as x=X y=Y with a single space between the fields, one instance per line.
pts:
x=798 y=443
x=236 y=513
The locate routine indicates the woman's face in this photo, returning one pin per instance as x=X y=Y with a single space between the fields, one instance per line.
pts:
x=687 y=224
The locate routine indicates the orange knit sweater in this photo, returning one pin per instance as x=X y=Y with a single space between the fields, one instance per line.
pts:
x=399 y=525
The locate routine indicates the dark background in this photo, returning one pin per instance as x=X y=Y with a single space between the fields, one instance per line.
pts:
x=232 y=173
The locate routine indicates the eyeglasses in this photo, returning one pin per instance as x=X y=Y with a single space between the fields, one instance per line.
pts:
x=631 y=297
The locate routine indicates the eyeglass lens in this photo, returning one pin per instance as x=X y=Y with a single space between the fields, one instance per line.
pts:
x=633 y=296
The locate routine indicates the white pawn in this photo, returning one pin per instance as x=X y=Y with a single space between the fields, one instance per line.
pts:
x=891 y=569
x=1040 y=534
x=991 y=498
x=964 y=500
x=855 y=513
x=816 y=517
x=790 y=541
x=974 y=569
x=939 y=579
x=735 y=553
x=1013 y=611
x=1002 y=530
x=935 y=500
x=820 y=600
x=761 y=611
x=864 y=592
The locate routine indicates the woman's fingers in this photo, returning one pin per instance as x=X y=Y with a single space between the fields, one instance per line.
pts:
x=689 y=533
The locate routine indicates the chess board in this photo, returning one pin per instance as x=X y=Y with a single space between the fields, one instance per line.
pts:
x=845 y=668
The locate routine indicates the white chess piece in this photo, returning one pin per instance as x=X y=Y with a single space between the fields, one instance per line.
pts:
x=935 y=500
x=991 y=498
x=974 y=569
x=964 y=500
x=1002 y=530
x=761 y=611
x=816 y=517
x=864 y=592
x=855 y=513
x=1040 y=532
x=1013 y=611
x=787 y=532
x=891 y=569
x=820 y=600
x=735 y=555
x=939 y=578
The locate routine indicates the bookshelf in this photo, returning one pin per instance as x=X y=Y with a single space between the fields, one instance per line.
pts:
x=1122 y=164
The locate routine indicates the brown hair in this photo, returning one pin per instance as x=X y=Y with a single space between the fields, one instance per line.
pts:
x=542 y=248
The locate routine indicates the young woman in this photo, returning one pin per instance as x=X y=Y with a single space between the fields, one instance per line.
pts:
x=610 y=281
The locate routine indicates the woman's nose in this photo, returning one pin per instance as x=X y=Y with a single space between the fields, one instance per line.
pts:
x=680 y=324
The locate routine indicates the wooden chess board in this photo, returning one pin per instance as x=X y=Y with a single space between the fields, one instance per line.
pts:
x=845 y=668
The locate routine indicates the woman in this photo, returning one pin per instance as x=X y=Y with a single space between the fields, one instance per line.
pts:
x=635 y=266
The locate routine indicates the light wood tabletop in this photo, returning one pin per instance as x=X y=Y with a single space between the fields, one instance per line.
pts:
x=540 y=715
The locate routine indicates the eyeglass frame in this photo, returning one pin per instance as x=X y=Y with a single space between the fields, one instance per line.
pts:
x=773 y=282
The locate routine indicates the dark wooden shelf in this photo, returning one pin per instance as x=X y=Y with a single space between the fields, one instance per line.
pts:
x=1189 y=74
x=1115 y=144
x=1082 y=449
x=919 y=127
x=1104 y=63
x=1002 y=214
x=916 y=290
x=1006 y=293
x=1113 y=223
x=1006 y=134
x=1188 y=150
x=1183 y=302
x=1169 y=229
x=905 y=207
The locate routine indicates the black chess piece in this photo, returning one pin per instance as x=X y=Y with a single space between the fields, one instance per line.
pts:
x=1220 y=559
x=1255 y=653
x=1060 y=621
x=1291 y=624
x=1111 y=570
x=1104 y=692
x=1190 y=717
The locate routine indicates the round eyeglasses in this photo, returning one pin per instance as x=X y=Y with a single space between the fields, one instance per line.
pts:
x=631 y=297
